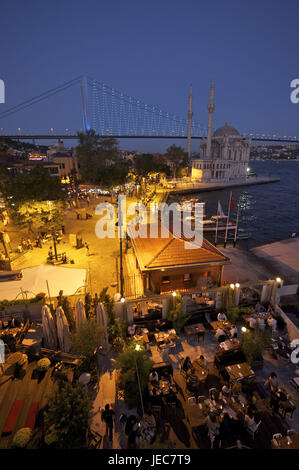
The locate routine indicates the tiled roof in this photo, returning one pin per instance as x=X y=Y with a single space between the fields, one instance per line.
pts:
x=169 y=251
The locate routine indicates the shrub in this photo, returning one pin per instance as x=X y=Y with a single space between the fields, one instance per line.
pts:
x=43 y=364
x=87 y=338
x=175 y=314
x=21 y=359
x=22 y=437
x=51 y=437
x=69 y=413
x=118 y=344
x=254 y=344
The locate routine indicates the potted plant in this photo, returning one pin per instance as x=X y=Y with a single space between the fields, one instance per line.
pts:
x=233 y=312
x=22 y=360
x=21 y=438
x=42 y=366
x=176 y=315
x=128 y=362
x=254 y=344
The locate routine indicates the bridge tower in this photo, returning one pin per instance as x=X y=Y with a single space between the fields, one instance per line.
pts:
x=190 y=116
x=83 y=85
x=211 y=108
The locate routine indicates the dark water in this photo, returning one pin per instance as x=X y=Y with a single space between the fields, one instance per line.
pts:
x=269 y=212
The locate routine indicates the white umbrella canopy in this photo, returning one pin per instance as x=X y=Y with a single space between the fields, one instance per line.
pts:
x=102 y=320
x=63 y=331
x=80 y=313
x=49 y=330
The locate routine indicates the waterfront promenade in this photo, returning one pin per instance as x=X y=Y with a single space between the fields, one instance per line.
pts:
x=189 y=187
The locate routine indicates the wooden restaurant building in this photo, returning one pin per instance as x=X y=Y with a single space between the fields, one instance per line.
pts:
x=166 y=265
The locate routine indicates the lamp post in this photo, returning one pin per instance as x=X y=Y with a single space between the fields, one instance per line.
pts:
x=120 y=224
x=137 y=348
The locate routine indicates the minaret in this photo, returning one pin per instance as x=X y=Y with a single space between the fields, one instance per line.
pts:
x=211 y=108
x=190 y=116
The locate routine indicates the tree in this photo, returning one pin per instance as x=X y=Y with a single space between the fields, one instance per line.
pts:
x=177 y=156
x=39 y=215
x=126 y=363
x=34 y=198
x=68 y=413
x=95 y=154
x=87 y=338
x=34 y=185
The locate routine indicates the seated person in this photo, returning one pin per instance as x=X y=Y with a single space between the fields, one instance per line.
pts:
x=203 y=362
x=166 y=376
x=154 y=377
x=259 y=308
x=131 y=329
x=252 y=322
x=187 y=364
x=212 y=425
x=272 y=383
x=214 y=395
x=159 y=325
x=220 y=335
x=156 y=399
x=234 y=332
x=272 y=322
x=226 y=391
x=261 y=323
x=149 y=419
x=221 y=317
x=192 y=382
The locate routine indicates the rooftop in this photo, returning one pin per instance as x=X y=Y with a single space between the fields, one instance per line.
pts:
x=169 y=251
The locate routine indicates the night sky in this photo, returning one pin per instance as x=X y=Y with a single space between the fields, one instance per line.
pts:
x=154 y=50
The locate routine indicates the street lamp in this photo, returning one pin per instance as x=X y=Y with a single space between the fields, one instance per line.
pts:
x=137 y=348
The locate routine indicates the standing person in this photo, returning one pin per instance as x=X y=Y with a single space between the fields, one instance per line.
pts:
x=87 y=248
x=107 y=416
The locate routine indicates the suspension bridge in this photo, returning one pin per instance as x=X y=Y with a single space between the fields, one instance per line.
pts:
x=110 y=112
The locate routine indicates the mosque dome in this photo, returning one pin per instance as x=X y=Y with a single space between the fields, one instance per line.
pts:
x=226 y=130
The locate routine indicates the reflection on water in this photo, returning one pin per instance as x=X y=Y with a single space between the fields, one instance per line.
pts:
x=268 y=212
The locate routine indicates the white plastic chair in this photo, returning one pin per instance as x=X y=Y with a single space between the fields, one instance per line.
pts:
x=251 y=431
x=191 y=401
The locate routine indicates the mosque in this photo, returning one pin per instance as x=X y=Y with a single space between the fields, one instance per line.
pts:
x=224 y=156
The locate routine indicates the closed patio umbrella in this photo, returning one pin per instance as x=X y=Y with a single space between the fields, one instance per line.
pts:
x=49 y=330
x=102 y=320
x=80 y=313
x=63 y=331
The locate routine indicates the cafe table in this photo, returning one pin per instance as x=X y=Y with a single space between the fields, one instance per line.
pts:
x=229 y=345
x=199 y=370
x=239 y=372
x=288 y=442
x=224 y=325
x=195 y=329
x=195 y=415
x=165 y=336
x=164 y=387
